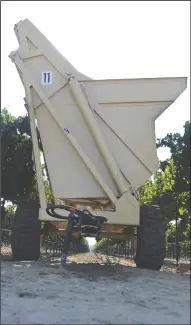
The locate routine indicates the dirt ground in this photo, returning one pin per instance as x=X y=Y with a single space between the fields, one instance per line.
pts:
x=92 y=290
x=169 y=265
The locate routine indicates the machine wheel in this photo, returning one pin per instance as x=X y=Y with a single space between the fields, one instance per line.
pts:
x=150 y=238
x=25 y=241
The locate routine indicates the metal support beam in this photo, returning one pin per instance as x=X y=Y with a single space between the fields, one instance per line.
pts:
x=96 y=133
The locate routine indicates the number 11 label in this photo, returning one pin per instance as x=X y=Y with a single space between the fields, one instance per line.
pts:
x=46 y=78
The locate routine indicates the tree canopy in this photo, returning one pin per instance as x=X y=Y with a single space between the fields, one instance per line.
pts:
x=17 y=173
x=18 y=179
x=170 y=185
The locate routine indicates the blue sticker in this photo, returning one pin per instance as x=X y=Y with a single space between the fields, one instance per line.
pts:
x=66 y=130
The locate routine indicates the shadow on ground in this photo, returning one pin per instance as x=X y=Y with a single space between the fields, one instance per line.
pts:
x=92 y=264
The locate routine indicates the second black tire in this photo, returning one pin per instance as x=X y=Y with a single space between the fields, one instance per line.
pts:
x=150 y=238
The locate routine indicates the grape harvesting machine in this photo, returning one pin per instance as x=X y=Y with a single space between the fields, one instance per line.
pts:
x=99 y=147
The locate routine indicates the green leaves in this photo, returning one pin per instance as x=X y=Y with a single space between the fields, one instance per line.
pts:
x=170 y=185
x=180 y=153
x=17 y=174
x=102 y=245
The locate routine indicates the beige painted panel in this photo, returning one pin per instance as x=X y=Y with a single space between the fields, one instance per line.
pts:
x=136 y=90
x=69 y=176
x=36 y=66
x=134 y=125
x=66 y=167
x=25 y=30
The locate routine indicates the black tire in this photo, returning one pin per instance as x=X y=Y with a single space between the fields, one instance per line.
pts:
x=150 y=238
x=25 y=241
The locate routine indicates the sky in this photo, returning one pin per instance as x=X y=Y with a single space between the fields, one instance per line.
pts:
x=107 y=39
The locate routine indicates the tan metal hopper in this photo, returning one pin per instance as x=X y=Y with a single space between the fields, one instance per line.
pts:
x=98 y=136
